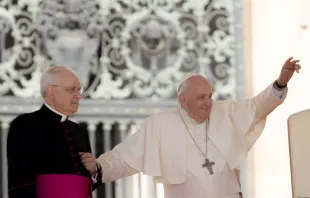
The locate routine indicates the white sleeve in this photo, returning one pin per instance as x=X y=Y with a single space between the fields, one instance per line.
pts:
x=249 y=116
x=114 y=167
x=281 y=94
x=93 y=178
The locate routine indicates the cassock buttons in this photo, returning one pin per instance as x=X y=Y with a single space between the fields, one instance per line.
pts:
x=71 y=148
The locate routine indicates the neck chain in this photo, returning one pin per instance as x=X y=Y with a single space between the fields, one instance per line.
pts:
x=204 y=154
x=207 y=163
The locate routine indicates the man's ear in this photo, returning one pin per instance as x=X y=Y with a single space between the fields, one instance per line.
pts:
x=181 y=99
x=49 y=90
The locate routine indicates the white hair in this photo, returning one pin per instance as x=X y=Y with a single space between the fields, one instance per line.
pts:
x=183 y=88
x=51 y=77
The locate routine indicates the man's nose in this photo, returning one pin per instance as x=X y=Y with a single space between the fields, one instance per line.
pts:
x=208 y=102
x=78 y=95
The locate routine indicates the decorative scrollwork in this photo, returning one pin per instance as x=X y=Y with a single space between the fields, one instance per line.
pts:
x=120 y=49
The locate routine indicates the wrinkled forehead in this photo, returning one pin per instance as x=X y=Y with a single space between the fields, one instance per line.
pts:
x=68 y=78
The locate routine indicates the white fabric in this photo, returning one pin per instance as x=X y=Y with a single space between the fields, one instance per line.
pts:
x=219 y=185
x=163 y=148
x=223 y=183
x=194 y=155
x=299 y=136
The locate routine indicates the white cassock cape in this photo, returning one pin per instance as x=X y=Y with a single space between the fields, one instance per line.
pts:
x=163 y=148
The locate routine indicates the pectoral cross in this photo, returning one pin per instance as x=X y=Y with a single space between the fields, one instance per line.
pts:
x=209 y=165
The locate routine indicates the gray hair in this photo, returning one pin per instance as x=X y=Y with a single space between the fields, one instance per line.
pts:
x=51 y=77
x=183 y=87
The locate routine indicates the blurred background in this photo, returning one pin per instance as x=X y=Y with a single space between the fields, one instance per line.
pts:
x=130 y=55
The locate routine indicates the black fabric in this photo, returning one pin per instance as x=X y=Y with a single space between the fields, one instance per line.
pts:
x=39 y=143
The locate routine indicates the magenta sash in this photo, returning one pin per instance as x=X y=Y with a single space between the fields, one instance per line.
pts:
x=63 y=186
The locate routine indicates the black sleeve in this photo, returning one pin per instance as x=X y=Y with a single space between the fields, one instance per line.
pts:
x=21 y=159
x=98 y=178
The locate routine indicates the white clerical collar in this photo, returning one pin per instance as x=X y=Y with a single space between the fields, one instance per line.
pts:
x=187 y=118
x=63 y=116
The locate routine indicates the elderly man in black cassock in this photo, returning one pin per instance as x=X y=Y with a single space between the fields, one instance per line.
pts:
x=46 y=141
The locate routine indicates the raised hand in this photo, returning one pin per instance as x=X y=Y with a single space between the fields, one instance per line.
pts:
x=288 y=70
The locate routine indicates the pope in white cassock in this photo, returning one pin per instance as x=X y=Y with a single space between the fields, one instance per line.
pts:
x=195 y=149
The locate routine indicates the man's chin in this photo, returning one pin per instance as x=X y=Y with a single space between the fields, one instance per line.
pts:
x=205 y=116
x=74 y=109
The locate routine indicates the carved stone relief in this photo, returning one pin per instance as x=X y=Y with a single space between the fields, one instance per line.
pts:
x=121 y=49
